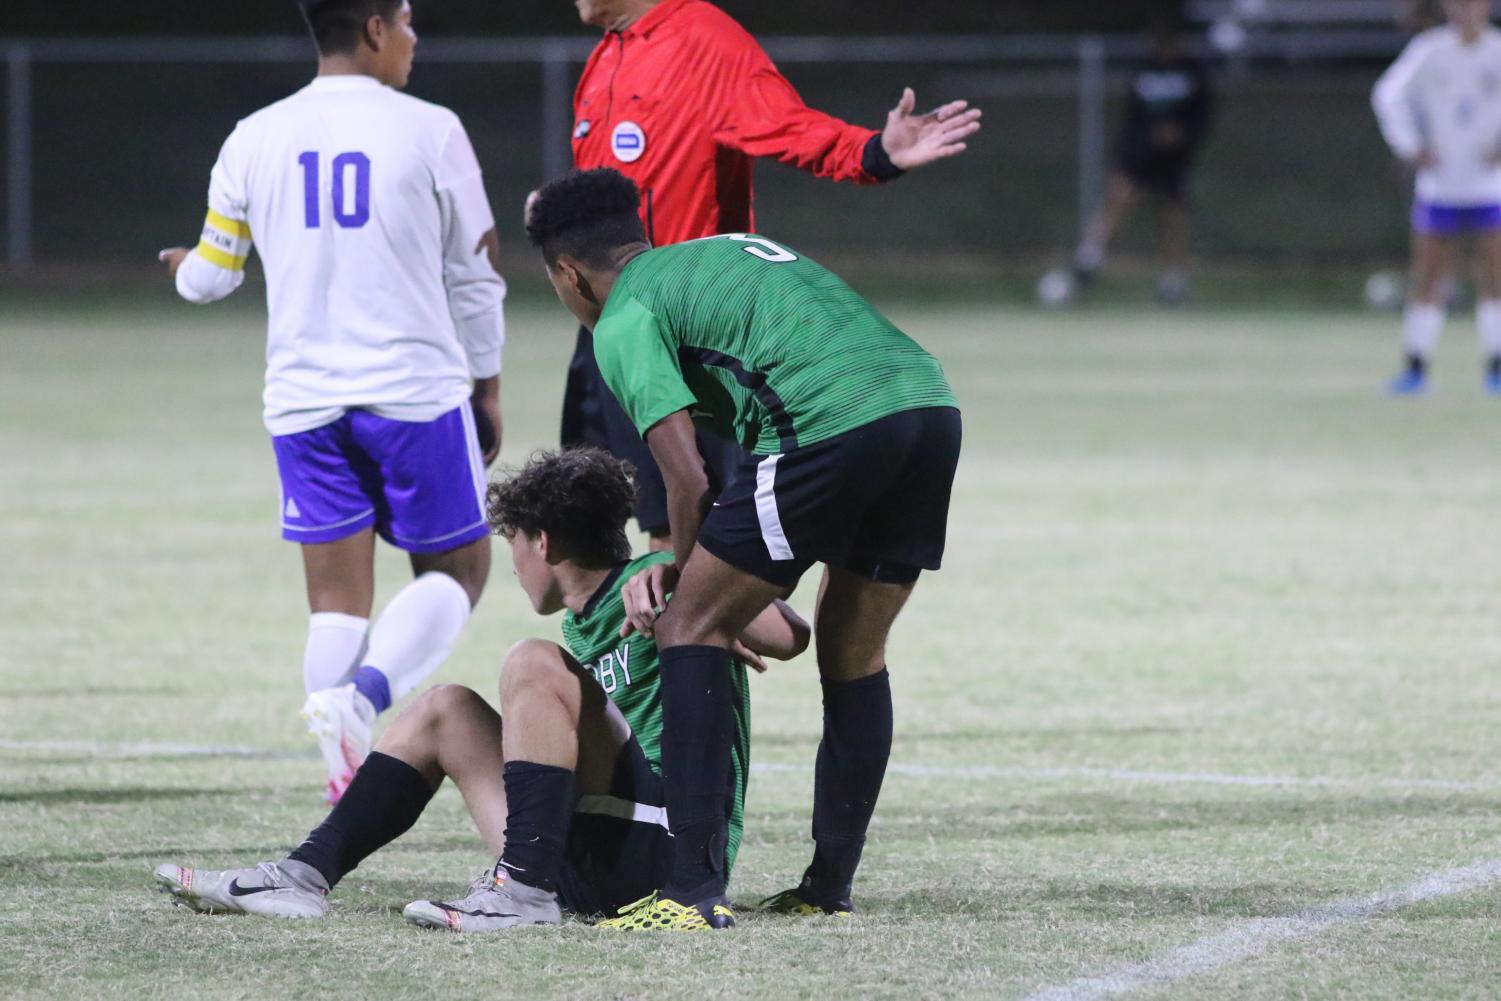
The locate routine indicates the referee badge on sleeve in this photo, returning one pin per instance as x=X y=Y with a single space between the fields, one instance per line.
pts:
x=628 y=142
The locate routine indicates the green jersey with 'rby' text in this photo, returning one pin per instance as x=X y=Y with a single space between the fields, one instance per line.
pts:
x=764 y=345
x=627 y=669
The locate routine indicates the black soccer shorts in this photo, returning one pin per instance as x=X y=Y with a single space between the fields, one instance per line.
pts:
x=873 y=501
x=618 y=848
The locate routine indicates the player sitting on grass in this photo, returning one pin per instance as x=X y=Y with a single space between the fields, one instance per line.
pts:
x=568 y=792
x=854 y=434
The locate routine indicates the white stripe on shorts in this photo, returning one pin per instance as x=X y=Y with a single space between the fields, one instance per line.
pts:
x=614 y=806
x=766 y=509
x=476 y=458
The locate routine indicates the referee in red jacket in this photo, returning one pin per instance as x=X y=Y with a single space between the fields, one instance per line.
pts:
x=681 y=99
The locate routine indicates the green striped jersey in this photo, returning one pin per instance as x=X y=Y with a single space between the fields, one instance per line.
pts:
x=759 y=343
x=627 y=669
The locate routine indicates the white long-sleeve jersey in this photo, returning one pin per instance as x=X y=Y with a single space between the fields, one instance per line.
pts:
x=367 y=207
x=1444 y=96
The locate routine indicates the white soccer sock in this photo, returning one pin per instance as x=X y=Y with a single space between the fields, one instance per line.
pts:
x=335 y=644
x=1423 y=324
x=417 y=630
x=1488 y=319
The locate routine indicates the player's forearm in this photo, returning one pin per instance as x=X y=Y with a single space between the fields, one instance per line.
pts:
x=778 y=632
x=201 y=282
x=483 y=337
x=1392 y=102
x=687 y=504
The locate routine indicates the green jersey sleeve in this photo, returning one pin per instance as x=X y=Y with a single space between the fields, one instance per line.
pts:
x=640 y=365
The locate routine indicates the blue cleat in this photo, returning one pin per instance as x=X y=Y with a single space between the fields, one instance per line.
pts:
x=1413 y=382
x=1493 y=382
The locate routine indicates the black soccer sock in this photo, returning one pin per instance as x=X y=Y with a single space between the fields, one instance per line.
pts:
x=698 y=732
x=852 y=761
x=1493 y=366
x=1417 y=364
x=383 y=801
x=539 y=802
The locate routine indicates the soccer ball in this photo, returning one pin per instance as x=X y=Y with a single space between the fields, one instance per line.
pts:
x=1057 y=288
x=1385 y=290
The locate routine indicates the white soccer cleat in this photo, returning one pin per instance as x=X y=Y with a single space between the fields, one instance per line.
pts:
x=285 y=889
x=492 y=905
x=343 y=720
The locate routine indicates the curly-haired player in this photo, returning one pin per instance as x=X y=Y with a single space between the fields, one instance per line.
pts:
x=568 y=792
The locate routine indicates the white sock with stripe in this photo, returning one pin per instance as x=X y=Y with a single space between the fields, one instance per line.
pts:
x=335 y=646
x=416 y=631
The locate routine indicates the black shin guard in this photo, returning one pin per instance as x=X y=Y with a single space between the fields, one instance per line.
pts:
x=381 y=804
x=852 y=759
x=698 y=732
x=539 y=802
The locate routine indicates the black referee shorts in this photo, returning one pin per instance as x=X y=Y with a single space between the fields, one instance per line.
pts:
x=592 y=416
x=873 y=501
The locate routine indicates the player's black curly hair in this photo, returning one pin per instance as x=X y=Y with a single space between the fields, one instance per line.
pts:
x=586 y=215
x=581 y=497
x=337 y=25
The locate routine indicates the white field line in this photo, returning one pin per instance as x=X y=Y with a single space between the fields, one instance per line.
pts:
x=98 y=749
x=146 y=749
x=1158 y=778
x=1252 y=938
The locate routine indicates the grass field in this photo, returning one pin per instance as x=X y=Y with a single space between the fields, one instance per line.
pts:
x=1205 y=703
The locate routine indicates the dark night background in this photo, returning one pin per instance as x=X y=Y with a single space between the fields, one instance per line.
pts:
x=542 y=17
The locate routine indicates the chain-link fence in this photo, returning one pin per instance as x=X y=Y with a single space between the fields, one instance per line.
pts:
x=109 y=144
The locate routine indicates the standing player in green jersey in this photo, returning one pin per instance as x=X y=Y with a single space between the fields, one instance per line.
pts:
x=855 y=438
x=568 y=792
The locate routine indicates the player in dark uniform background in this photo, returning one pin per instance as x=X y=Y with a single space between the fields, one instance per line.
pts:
x=681 y=99
x=1167 y=119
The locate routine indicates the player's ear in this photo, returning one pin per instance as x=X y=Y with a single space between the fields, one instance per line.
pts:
x=375 y=32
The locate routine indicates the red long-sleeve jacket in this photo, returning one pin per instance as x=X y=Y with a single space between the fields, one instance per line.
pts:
x=683 y=101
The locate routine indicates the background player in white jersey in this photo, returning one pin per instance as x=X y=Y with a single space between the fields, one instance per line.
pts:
x=1440 y=110
x=383 y=356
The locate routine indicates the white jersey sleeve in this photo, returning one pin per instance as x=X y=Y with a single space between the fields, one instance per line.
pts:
x=476 y=294
x=1395 y=99
x=216 y=267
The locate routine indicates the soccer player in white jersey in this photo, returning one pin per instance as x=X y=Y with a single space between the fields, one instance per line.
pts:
x=383 y=357
x=1439 y=106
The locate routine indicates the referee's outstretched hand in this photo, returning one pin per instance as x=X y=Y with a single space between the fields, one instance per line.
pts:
x=913 y=141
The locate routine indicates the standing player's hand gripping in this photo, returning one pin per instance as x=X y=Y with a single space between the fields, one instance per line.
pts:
x=913 y=141
x=645 y=597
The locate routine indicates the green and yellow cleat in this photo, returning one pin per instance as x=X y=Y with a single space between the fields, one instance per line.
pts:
x=659 y=913
x=795 y=903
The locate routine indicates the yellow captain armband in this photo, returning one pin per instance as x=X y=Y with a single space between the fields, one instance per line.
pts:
x=225 y=242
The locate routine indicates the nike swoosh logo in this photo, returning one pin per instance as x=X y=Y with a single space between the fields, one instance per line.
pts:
x=236 y=890
x=472 y=914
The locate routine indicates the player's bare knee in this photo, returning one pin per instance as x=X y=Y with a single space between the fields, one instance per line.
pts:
x=677 y=630
x=532 y=662
x=428 y=711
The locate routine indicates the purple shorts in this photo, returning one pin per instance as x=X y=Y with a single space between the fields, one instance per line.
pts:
x=1455 y=220
x=422 y=485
